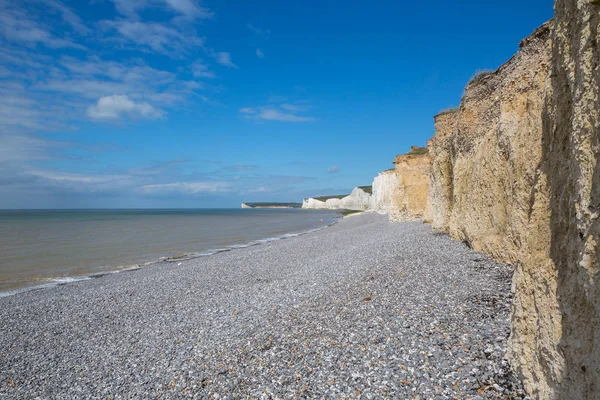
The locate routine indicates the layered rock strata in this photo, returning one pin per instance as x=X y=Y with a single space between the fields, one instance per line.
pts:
x=556 y=323
x=401 y=192
x=516 y=174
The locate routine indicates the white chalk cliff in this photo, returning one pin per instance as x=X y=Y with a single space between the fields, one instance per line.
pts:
x=386 y=188
x=357 y=200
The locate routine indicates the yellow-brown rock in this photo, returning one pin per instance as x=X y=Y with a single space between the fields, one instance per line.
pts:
x=439 y=201
x=559 y=354
x=402 y=192
x=516 y=173
x=486 y=154
x=488 y=188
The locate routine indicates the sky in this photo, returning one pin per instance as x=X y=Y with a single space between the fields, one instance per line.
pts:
x=189 y=104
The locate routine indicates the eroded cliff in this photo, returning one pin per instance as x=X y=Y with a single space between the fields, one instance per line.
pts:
x=570 y=179
x=401 y=192
x=515 y=172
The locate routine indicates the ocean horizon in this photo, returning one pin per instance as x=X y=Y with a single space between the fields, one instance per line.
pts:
x=48 y=247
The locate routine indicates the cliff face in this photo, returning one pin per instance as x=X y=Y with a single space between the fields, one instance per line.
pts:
x=402 y=191
x=515 y=172
x=314 y=204
x=487 y=188
x=570 y=188
x=439 y=200
x=485 y=155
x=357 y=200
x=386 y=189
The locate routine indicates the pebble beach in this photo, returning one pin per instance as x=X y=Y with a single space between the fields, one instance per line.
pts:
x=361 y=309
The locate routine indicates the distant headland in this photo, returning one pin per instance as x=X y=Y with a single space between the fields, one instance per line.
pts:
x=271 y=205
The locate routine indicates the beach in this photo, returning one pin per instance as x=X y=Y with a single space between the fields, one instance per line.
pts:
x=360 y=309
x=44 y=248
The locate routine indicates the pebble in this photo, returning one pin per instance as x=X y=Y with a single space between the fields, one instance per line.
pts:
x=362 y=309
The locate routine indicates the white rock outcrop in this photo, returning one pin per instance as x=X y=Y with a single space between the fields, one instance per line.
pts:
x=386 y=188
x=357 y=200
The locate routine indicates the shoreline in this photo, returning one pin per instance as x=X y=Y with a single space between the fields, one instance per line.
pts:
x=364 y=306
x=52 y=282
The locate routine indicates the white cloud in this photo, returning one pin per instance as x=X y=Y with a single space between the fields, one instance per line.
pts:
x=69 y=16
x=258 y=31
x=22 y=148
x=333 y=170
x=188 y=187
x=283 y=113
x=259 y=53
x=47 y=91
x=131 y=73
x=21 y=110
x=117 y=106
x=200 y=70
x=172 y=36
x=295 y=107
x=71 y=177
x=130 y=7
x=224 y=58
x=17 y=25
x=271 y=114
x=156 y=36
x=188 y=8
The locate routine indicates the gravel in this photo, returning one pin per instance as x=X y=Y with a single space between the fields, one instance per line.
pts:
x=362 y=309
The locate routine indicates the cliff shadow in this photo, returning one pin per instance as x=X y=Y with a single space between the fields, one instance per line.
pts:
x=570 y=147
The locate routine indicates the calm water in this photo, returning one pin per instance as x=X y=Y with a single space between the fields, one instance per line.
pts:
x=51 y=247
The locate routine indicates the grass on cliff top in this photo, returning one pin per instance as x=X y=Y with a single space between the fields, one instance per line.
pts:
x=325 y=198
x=480 y=75
x=418 y=151
x=367 y=189
x=450 y=110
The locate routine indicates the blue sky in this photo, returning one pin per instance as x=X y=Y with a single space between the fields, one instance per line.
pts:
x=182 y=103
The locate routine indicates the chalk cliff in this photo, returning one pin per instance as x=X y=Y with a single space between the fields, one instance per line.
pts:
x=487 y=188
x=357 y=200
x=559 y=355
x=386 y=189
x=515 y=172
x=402 y=191
x=486 y=154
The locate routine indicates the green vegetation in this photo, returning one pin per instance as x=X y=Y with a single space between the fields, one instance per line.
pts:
x=367 y=189
x=291 y=205
x=349 y=212
x=449 y=110
x=479 y=75
x=418 y=151
x=325 y=198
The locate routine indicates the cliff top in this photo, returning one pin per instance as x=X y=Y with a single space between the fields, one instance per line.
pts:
x=366 y=189
x=542 y=33
x=415 y=153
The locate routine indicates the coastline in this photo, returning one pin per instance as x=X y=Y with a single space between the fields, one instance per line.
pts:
x=53 y=282
x=311 y=315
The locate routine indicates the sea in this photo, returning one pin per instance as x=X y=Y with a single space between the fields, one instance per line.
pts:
x=44 y=248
